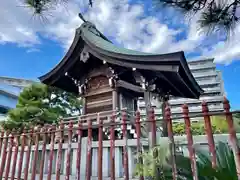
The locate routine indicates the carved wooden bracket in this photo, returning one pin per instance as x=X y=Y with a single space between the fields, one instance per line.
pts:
x=84 y=56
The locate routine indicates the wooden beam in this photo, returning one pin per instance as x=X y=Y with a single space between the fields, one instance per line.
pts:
x=104 y=89
x=129 y=64
x=103 y=70
x=184 y=83
x=99 y=103
x=114 y=99
x=161 y=75
x=84 y=108
x=147 y=99
x=135 y=88
x=137 y=76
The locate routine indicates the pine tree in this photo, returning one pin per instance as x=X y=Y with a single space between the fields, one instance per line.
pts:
x=215 y=15
x=39 y=104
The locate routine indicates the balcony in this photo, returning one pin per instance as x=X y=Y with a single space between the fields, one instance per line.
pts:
x=202 y=61
x=201 y=67
x=212 y=90
x=207 y=78
x=209 y=99
x=208 y=82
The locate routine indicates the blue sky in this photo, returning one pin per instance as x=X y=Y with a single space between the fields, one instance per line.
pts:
x=29 y=49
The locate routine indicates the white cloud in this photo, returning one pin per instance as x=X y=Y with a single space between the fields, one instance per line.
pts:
x=30 y=50
x=225 y=52
x=15 y=24
x=125 y=24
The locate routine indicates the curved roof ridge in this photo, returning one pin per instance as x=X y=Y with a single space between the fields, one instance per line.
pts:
x=97 y=43
x=88 y=36
x=65 y=57
x=87 y=32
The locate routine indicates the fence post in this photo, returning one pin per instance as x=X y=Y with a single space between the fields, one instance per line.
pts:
x=190 y=141
x=4 y=155
x=35 y=157
x=59 y=153
x=171 y=139
x=125 y=147
x=9 y=157
x=1 y=141
x=209 y=133
x=70 y=126
x=44 y=132
x=112 y=146
x=79 y=148
x=232 y=135
x=153 y=127
x=138 y=132
x=89 y=151
x=50 y=161
x=153 y=138
x=28 y=154
x=20 y=162
x=100 y=146
x=15 y=155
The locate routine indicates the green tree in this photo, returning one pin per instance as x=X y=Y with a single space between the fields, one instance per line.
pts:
x=39 y=104
x=196 y=127
x=219 y=126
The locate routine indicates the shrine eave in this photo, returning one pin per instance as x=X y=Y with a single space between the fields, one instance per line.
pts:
x=172 y=67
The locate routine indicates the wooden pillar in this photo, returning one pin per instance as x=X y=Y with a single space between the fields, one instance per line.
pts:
x=164 y=122
x=147 y=99
x=148 y=108
x=114 y=99
x=84 y=107
x=135 y=105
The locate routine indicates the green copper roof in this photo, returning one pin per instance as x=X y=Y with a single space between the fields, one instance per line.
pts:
x=170 y=70
x=108 y=46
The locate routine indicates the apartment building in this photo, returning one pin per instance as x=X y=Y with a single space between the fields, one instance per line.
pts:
x=210 y=80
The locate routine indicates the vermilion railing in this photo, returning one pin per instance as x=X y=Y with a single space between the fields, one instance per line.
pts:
x=80 y=147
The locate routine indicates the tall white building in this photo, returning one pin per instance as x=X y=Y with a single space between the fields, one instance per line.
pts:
x=210 y=81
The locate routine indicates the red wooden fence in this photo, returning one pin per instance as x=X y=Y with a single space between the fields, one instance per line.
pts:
x=13 y=146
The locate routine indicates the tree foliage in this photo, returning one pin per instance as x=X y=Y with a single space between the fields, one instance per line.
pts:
x=39 y=104
x=157 y=157
x=219 y=126
x=236 y=115
x=215 y=15
x=41 y=6
x=225 y=167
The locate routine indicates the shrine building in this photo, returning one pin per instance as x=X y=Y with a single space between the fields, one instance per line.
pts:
x=108 y=77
